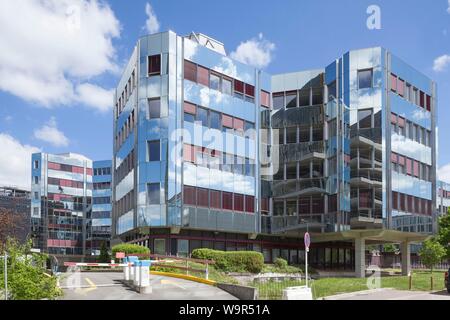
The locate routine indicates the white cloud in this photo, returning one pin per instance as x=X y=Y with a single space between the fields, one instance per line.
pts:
x=54 y=46
x=152 y=23
x=15 y=162
x=448 y=9
x=441 y=63
x=95 y=96
x=50 y=133
x=444 y=173
x=256 y=52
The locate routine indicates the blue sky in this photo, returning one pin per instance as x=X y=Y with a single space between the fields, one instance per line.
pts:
x=66 y=69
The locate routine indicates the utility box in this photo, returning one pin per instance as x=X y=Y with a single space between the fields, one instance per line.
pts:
x=297 y=293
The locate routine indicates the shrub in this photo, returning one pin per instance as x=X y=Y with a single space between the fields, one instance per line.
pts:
x=129 y=249
x=281 y=263
x=232 y=261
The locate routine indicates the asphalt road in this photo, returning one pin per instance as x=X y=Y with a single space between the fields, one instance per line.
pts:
x=107 y=286
x=390 y=294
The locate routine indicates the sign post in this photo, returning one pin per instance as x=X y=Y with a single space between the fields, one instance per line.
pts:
x=307 y=240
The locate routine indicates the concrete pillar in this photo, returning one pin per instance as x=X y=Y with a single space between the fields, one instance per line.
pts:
x=406 y=257
x=360 y=258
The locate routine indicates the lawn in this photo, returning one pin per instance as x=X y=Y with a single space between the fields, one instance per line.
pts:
x=331 y=286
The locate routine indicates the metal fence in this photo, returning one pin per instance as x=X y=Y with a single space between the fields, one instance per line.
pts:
x=271 y=288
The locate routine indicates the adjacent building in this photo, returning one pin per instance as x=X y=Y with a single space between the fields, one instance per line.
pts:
x=70 y=207
x=210 y=152
x=15 y=202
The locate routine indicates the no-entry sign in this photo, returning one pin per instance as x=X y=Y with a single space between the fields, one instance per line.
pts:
x=307 y=239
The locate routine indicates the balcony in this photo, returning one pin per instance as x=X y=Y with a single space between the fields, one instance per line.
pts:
x=366 y=178
x=302 y=151
x=295 y=188
x=366 y=137
x=312 y=115
x=281 y=224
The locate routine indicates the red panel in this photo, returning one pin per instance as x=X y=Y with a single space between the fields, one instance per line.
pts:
x=238 y=124
x=238 y=86
x=250 y=204
x=190 y=195
x=189 y=153
x=203 y=76
x=394 y=157
x=401 y=87
x=393 y=82
x=89 y=171
x=77 y=170
x=54 y=166
x=249 y=90
x=215 y=199
x=393 y=118
x=190 y=108
x=264 y=204
x=428 y=103
x=238 y=202
x=416 y=169
x=409 y=166
x=227 y=121
x=227 y=201
x=202 y=198
x=395 y=200
x=401 y=160
x=190 y=71
x=265 y=99
x=401 y=122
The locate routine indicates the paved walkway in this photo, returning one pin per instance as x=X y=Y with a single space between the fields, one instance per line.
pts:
x=107 y=286
x=391 y=294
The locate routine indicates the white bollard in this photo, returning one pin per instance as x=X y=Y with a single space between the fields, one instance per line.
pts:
x=136 y=274
x=144 y=277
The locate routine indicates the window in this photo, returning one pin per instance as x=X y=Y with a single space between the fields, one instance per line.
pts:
x=408 y=92
x=250 y=204
x=202 y=198
x=278 y=208
x=203 y=76
x=278 y=101
x=215 y=199
x=238 y=87
x=36 y=164
x=36 y=179
x=304 y=134
x=214 y=118
x=249 y=90
x=422 y=99
x=154 y=151
x=227 y=86
x=227 y=201
x=202 y=117
x=291 y=171
x=317 y=134
x=365 y=79
x=304 y=97
x=36 y=196
x=238 y=202
x=428 y=103
x=154 y=108
x=214 y=82
x=190 y=195
x=249 y=167
x=291 y=208
x=401 y=87
x=190 y=71
x=291 y=99
x=160 y=246
x=227 y=121
x=291 y=135
x=317 y=96
x=393 y=83
x=365 y=119
x=153 y=193
x=154 y=65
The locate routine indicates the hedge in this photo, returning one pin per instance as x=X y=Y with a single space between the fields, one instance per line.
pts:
x=129 y=248
x=232 y=261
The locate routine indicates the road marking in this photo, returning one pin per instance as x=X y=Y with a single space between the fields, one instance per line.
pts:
x=91 y=284
x=174 y=283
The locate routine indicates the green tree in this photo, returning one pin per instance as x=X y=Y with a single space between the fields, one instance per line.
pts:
x=431 y=254
x=27 y=277
x=104 y=256
x=444 y=233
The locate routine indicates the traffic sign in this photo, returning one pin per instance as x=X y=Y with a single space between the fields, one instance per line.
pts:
x=307 y=239
x=120 y=255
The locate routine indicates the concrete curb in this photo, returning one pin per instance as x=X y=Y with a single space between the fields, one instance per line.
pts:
x=183 y=276
x=240 y=292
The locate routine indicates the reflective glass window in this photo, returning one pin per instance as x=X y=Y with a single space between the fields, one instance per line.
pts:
x=227 y=201
x=291 y=99
x=365 y=118
x=401 y=87
x=154 y=108
x=215 y=199
x=227 y=86
x=190 y=195
x=265 y=99
x=202 y=117
x=291 y=135
x=393 y=83
x=304 y=135
x=154 y=150
x=214 y=82
x=238 y=202
x=249 y=204
x=278 y=101
x=278 y=208
x=249 y=90
x=365 y=79
x=317 y=96
x=153 y=193
x=238 y=86
x=304 y=97
x=291 y=171
x=154 y=65
x=214 y=120
x=202 y=197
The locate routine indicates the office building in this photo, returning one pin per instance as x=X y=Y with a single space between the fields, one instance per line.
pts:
x=15 y=202
x=210 y=152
